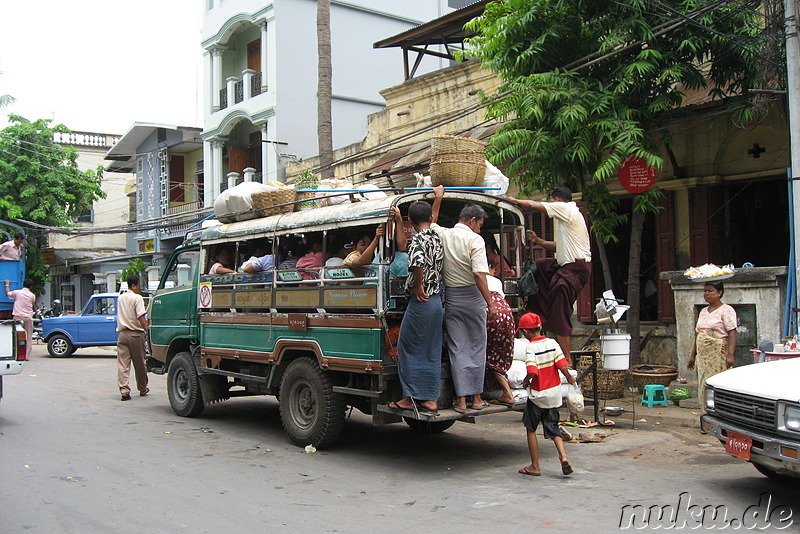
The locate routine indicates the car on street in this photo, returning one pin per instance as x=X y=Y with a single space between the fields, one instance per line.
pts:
x=95 y=326
x=755 y=411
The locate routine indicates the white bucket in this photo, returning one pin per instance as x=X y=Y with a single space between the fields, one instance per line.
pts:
x=616 y=350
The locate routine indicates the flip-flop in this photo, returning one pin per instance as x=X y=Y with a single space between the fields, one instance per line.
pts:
x=524 y=471
x=566 y=468
x=503 y=403
x=395 y=406
x=427 y=411
x=481 y=406
x=459 y=410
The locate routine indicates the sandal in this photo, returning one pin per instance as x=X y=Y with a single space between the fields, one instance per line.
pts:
x=480 y=406
x=566 y=468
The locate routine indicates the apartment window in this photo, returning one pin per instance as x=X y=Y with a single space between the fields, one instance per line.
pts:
x=86 y=217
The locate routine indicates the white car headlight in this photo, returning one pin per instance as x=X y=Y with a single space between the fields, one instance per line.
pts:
x=791 y=418
x=709 y=401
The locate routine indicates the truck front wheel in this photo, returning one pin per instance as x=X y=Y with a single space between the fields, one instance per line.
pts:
x=59 y=346
x=311 y=413
x=183 y=386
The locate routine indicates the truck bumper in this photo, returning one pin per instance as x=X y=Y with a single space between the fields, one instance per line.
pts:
x=10 y=367
x=779 y=453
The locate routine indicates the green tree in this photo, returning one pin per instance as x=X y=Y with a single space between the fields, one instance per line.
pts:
x=40 y=182
x=135 y=267
x=585 y=81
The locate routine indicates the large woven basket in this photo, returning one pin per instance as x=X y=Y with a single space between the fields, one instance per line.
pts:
x=610 y=384
x=457 y=161
x=661 y=375
x=274 y=202
x=307 y=180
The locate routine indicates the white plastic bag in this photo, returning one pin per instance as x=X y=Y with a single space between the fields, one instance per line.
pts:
x=234 y=203
x=494 y=177
x=575 y=400
x=333 y=183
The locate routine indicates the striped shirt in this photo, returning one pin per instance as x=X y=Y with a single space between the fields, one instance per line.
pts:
x=543 y=358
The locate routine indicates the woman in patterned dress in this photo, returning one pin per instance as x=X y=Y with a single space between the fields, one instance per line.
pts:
x=714 y=347
x=419 y=346
x=500 y=332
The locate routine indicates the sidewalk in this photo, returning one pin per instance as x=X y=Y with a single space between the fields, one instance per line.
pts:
x=641 y=416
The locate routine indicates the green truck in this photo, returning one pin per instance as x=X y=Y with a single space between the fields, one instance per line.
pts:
x=320 y=340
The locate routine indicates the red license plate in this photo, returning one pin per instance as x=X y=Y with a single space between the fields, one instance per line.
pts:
x=739 y=445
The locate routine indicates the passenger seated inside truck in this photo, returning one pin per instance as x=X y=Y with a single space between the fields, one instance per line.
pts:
x=341 y=246
x=310 y=264
x=495 y=258
x=290 y=248
x=264 y=259
x=365 y=251
x=221 y=261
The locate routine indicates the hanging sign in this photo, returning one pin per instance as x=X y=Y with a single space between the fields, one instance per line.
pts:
x=635 y=175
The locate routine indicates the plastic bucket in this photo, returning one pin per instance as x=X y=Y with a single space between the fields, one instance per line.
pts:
x=616 y=350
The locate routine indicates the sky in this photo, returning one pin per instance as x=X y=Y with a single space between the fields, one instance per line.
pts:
x=101 y=65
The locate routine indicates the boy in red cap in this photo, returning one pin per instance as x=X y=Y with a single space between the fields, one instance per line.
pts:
x=543 y=359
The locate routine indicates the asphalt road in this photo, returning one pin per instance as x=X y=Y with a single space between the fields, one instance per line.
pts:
x=75 y=459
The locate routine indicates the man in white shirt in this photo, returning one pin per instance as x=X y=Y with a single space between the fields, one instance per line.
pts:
x=467 y=300
x=562 y=278
x=11 y=250
x=131 y=324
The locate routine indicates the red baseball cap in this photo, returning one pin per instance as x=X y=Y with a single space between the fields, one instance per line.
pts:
x=529 y=321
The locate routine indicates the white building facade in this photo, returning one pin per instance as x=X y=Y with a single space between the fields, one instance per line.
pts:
x=260 y=82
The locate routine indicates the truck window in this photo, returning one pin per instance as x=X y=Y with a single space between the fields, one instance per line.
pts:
x=181 y=270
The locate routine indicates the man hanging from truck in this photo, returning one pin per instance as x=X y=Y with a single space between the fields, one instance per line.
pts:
x=562 y=278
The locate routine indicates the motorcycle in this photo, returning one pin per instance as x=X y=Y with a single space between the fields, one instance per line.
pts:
x=54 y=310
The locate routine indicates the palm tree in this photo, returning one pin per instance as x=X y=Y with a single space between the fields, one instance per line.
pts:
x=324 y=82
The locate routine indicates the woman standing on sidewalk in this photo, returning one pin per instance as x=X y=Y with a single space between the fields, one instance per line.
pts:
x=715 y=344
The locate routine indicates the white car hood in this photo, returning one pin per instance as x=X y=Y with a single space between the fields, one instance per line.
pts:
x=778 y=380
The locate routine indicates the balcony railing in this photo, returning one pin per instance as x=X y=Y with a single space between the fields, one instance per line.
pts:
x=223 y=98
x=255 y=84
x=186 y=207
x=238 y=91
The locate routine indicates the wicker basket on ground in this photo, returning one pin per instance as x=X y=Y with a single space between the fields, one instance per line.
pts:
x=457 y=161
x=274 y=202
x=610 y=384
x=644 y=374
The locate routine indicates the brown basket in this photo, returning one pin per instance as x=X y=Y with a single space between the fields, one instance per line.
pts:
x=457 y=161
x=274 y=202
x=610 y=384
x=661 y=375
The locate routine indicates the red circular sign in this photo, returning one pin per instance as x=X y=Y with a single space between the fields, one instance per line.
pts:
x=636 y=176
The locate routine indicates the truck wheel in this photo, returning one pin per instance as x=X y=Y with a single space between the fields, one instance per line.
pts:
x=59 y=346
x=428 y=427
x=774 y=475
x=183 y=386
x=311 y=413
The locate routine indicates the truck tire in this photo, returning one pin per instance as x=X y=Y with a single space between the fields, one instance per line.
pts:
x=775 y=476
x=311 y=413
x=428 y=427
x=59 y=346
x=183 y=386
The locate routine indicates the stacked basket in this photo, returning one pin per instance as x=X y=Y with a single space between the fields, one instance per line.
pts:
x=642 y=375
x=281 y=200
x=457 y=161
x=610 y=384
x=308 y=181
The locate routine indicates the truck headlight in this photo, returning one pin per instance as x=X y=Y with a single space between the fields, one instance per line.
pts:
x=709 y=401
x=791 y=418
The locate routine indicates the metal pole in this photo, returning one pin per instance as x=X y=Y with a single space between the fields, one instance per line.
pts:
x=793 y=101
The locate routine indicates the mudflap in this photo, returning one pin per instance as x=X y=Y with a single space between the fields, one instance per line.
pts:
x=214 y=388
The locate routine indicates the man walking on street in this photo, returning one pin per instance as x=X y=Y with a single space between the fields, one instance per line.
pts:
x=24 y=304
x=561 y=279
x=131 y=325
x=467 y=300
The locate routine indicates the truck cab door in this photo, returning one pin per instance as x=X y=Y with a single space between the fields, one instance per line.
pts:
x=173 y=309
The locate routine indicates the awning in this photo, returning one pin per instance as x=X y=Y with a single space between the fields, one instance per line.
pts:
x=396 y=166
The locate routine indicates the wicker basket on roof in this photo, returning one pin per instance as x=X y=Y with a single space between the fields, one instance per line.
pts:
x=281 y=200
x=457 y=161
